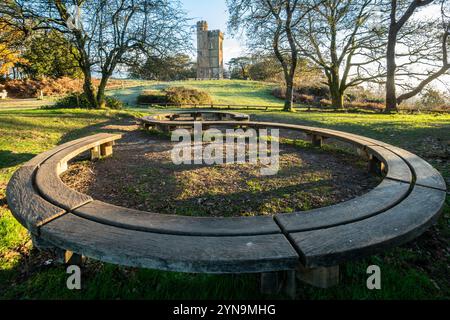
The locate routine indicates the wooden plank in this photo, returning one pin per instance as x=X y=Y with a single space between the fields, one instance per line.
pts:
x=402 y=223
x=396 y=167
x=426 y=174
x=383 y=197
x=361 y=143
x=322 y=277
x=47 y=176
x=55 y=191
x=36 y=161
x=74 y=150
x=26 y=205
x=172 y=224
x=242 y=254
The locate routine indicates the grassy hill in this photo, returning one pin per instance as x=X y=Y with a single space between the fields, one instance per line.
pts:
x=233 y=92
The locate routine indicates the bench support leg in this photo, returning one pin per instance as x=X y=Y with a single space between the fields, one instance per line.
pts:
x=106 y=149
x=363 y=153
x=71 y=258
x=95 y=153
x=375 y=166
x=317 y=141
x=63 y=167
x=279 y=282
x=319 y=277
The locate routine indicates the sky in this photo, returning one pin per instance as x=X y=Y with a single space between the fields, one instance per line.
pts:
x=215 y=13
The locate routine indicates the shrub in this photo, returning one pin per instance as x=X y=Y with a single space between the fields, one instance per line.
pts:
x=433 y=99
x=152 y=97
x=28 y=88
x=371 y=106
x=325 y=103
x=175 y=96
x=75 y=100
x=182 y=95
x=304 y=94
x=317 y=90
x=113 y=103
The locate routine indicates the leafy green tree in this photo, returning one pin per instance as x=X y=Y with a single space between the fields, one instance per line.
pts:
x=49 y=54
x=433 y=98
x=239 y=67
x=174 y=67
x=105 y=33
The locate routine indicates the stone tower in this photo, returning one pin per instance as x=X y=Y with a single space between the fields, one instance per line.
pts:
x=209 y=52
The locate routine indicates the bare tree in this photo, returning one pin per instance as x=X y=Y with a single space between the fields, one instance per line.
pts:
x=270 y=25
x=105 y=32
x=337 y=36
x=424 y=53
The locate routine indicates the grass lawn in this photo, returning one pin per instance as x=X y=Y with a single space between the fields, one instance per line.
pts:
x=415 y=271
x=235 y=92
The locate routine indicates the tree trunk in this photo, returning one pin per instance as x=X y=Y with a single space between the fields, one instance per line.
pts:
x=391 y=67
x=391 y=94
x=337 y=98
x=88 y=89
x=101 y=101
x=289 y=100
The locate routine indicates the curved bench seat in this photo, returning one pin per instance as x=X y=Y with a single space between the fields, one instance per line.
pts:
x=395 y=167
x=385 y=196
x=184 y=117
x=425 y=173
x=407 y=201
x=398 y=225
x=253 y=235
x=235 y=254
x=27 y=205
x=49 y=183
x=174 y=224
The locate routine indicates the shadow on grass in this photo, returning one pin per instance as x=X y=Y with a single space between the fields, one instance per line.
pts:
x=36 y=275
x=39 y=275
x=10 y=159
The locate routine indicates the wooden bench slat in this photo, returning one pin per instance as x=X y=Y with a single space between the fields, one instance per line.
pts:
x=383 y=197
x=173 y=224
x=30 y=209
x=397 y=168
x=55 y=191
x=36 y=161
x=71 y=152
x=237 y=254
x=402 y=223
x=308 y=130
x=49 y=183
x=426 y=174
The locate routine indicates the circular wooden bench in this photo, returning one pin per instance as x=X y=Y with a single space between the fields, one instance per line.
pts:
x=165 y=122
x=310 y=244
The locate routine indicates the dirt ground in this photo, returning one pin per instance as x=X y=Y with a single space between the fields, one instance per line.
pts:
x=141 y=175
